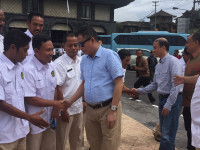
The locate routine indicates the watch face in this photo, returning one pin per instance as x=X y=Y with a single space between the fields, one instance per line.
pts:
x=113 y=107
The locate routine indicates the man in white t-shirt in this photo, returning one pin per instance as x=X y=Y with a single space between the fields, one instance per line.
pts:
x=68 y=80
x=13 y=124
x=35 y=23
x=40 y=84
x=2 y=23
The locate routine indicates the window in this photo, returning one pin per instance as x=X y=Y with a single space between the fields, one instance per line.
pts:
x=106 y=40
x=86 y=11
x=127 y=39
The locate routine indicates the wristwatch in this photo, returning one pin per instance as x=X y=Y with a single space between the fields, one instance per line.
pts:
x=114 y=108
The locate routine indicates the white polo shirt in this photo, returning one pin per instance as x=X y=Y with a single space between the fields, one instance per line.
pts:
x=30 y=50
x=182 y=63
x=12 y=92
x=68 y=77
x=40 y=81
x=1 y=44
x=195 y=111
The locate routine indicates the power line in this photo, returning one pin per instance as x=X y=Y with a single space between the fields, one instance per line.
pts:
x=155 y=11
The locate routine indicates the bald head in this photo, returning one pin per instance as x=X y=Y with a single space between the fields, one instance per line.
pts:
x=163 y=42
x=2 y=20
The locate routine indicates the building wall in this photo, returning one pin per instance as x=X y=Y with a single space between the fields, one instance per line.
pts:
x=102 y=12
x=12 y=6
x=60 y=9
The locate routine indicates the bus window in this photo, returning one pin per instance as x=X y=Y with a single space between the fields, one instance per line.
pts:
x=127 y=39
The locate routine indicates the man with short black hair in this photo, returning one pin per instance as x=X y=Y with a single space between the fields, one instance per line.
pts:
x=125 y=57
x=40 y=84
x=35 y=23
x=169 y=98
x=13 y=124
x=142 y=71
x=68 y=80
x=101 y=74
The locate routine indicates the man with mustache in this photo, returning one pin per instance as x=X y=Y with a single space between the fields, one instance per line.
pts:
x=2 y=23
x=40 y=84
x=35 y=23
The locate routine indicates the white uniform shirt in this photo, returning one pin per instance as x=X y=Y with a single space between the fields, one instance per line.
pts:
x=12 y=92
x=182 y=63
x=195 y=111
x=124 y=73
x=30 y=50
x=1 y=44
x=68 y=77
x=40 y=81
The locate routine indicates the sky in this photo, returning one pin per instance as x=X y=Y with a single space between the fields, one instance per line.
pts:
x=140 y=9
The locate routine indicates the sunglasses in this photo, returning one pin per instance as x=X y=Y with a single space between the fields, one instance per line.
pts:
x=82 y=43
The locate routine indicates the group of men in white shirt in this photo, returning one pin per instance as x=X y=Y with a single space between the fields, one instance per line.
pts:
x=29 y=79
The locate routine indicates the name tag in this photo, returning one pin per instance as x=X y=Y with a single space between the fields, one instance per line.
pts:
x=69 y=70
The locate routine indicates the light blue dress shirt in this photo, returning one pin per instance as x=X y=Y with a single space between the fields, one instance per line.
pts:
x=163 y=79
x=99 y=73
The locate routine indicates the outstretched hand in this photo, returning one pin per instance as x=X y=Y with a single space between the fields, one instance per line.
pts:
x=37 y=120
x=178 y=80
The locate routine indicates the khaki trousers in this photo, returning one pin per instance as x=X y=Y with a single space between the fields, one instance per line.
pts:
x=72 y=130
x=197 y=148
x=16 y=145
x=45 y=140
x=98 y=135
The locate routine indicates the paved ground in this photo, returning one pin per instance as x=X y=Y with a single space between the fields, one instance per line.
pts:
x=138 y=120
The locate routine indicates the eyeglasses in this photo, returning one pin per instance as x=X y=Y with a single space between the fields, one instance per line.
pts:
x=82 y=43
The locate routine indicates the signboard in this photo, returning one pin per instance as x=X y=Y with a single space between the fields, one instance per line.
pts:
x=183 y=25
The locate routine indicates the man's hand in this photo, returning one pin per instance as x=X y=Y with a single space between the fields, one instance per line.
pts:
x=135 y=92
x=178 y=80
x=84 y=106
x=165 y=111
x=55 y=113
x=65 y=116
x=37 y=120
x=111 y=119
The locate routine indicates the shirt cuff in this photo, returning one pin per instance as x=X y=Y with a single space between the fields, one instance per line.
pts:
x=140 y=90
x=168 y=106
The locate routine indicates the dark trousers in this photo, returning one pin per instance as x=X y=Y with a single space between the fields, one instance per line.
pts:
x=144 y=81
x=187 y=123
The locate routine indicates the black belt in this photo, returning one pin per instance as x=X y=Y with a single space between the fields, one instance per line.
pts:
x=180 y=93
x=103 y=104
x=163 y=96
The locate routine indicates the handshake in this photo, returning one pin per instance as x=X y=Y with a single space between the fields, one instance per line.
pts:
x=62 y=104
x=133 y=92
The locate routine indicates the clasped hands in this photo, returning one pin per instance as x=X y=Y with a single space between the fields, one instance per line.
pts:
x=133 y=92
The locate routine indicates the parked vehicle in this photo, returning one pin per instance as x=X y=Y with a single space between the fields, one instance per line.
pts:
x=143 y=40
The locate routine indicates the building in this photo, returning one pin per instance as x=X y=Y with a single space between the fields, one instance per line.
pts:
x=133 y=26
x=97 y=13
x=163 y=21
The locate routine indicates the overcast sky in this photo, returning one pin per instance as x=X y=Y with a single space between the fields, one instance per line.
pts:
x=140 y=9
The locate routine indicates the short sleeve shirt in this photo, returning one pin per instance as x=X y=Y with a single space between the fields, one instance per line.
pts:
x=99 y=73
x=68 y=77
x=40 y=81
x=12 y=92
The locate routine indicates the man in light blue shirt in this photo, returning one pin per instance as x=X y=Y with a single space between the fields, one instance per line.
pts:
x=101 y=74
x=170 y=100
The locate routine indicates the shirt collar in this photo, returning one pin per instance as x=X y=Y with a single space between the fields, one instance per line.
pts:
x=38 y=64
x=99 y=52
x=29 y=33
x=164 y=58
x=69 y=59
x=7 y=61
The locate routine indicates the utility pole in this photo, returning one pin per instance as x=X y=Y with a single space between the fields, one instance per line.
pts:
x=155 y=2
x=195 y=1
